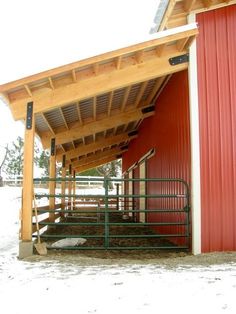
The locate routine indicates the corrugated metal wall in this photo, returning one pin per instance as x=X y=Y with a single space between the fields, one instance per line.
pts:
x=168 y=132
x=216 y=49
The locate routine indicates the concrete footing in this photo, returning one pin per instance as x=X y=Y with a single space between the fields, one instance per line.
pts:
x=25 y=249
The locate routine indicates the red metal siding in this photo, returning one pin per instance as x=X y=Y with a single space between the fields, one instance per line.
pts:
x=216 y=48
x=168 y=132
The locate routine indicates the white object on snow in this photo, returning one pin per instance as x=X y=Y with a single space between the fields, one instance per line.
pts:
x=68 y=242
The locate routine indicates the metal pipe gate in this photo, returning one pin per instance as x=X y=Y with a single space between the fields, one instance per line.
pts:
x=111 y=220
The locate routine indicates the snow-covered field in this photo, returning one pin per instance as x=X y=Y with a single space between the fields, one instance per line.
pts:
x=59 y=284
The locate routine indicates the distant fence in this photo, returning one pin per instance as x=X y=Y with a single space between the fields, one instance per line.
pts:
x=83 y=184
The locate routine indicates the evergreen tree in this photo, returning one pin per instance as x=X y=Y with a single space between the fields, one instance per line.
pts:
x=43 y=162
x=14 y=160
x=5 y=153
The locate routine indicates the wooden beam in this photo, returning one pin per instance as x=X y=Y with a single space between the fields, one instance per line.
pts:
x=90 y=61
x=94 y=85
x=101 y=155
x=95 y=164
x=27 y=192
x=80 y=131
x=100 y=84
x=100 y=144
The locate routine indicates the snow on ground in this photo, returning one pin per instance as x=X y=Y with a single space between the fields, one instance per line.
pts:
x=57 y=284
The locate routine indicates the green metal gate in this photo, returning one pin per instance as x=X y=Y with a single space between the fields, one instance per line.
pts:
x=108 y=220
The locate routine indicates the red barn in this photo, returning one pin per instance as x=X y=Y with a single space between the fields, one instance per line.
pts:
x=167 y=106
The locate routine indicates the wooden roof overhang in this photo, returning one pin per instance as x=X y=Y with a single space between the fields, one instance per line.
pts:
x=93 y=107
x=177 y=11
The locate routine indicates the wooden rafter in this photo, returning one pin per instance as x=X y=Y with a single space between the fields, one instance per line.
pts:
x=140 y=93
x=74 y=78
x=118 y=62
x=139 y=56
x=160 y=50
x=115 y=130
x=126 y=96
x=99 y=85
x=110 y=102
x=51 y=83
x=95 y=164
x=167 y=14
x=95 y=126
x=89 y=86
x=94 y=108
x=64 y=119
x=48 y=124
x=28 y=90
x=96 y=68
x=98 y=156
x=62 y=147
x=178 y=10
x=79 y=113
x=73 y=144
x=156 y=87
x=100 y=144
x=181 y=44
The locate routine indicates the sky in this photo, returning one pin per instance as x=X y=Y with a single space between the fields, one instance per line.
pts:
x=42 y=34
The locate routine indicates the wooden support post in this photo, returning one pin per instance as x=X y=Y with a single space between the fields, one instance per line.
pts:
x=27 y=196
x=70 y=188
x=117 y=194
x=52 y=184
x=63 y=183
x=74 y=189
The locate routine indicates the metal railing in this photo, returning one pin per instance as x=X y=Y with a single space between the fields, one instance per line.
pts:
x=120 y=220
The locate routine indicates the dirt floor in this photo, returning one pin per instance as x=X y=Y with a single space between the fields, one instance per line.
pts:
x=126 y=228
x=167 y=258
